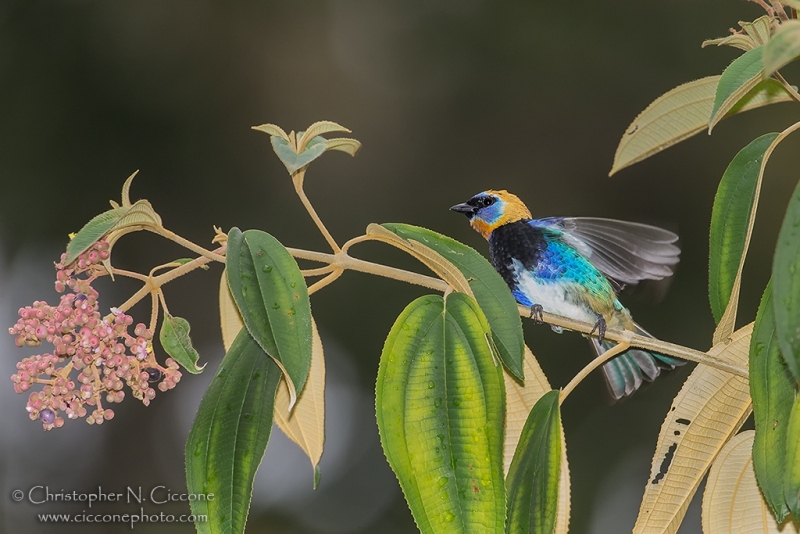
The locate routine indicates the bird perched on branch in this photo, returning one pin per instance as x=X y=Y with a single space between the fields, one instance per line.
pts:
x=574 y=267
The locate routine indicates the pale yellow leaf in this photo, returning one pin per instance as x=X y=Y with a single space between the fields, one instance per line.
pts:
x=732 y=502
x=126 y=189
x=737 y=40
x=272 y=129
x=141 y=215
x=343 y=144
x=520 y=399
x=318 y=128
x=305 y=422
x=755 y=34
x=760 y=29
x=681 y=113
x=435 y=261
x=710 y=408
x=229 y=317
x=728 y=321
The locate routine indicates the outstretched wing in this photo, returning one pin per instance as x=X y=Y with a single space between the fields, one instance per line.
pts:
x=625 y=251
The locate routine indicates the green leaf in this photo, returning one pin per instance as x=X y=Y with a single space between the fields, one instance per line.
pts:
x=786 y=281
x=490 y=290
x=440 y=404
x=682 y=113
x=229 y=436
x=174 y=337
x=291 y=159
x=92 y=231
x=792 y=475
x=730 y=218
x=272 y=296
x=736 y=81
x=532 y=483
x=783 y=48
x=772 y=388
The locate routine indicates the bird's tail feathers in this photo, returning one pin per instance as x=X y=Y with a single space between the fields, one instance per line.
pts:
x=625 y=373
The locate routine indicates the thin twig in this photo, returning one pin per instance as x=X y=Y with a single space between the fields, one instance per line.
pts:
x=662 y=347
x=154 y=311
x=129 y=274
x=158 y=281
x=213 y=256
x=297 y=180
x=594 y=364
x=325 y=281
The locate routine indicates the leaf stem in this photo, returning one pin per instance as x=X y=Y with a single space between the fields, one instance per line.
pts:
x=156 y=282
x=620 y=347
x=172 y=236
x=786 y=85
x=297 y=180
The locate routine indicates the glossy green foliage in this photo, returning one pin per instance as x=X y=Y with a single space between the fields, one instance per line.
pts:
x=440 y=405
x=272 y=297
x=773 y=390
x=490 y=291
x=730 y=219
x=229 y=436
x=736 y=81
x=174 y=337
x=532 y=483
x=786 y=281
x=92 y=231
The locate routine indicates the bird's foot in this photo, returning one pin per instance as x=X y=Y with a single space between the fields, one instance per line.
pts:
x=536 y=314
x=600 y=327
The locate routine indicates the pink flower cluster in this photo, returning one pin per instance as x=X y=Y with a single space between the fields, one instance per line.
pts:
x=105 y=356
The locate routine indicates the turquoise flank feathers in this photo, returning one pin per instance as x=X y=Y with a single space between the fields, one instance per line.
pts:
x=574 y=267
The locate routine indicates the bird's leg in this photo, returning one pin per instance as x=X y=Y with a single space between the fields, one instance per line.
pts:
x=536 y=314
x=600 y=326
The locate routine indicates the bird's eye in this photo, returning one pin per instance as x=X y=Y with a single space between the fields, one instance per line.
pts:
x=487 y=201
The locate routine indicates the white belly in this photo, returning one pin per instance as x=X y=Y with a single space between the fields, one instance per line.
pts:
x=553 y=298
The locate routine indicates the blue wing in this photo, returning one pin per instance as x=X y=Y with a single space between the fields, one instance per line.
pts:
x=625 y=251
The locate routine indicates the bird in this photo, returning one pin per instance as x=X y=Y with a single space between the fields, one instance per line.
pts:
x=575 y=267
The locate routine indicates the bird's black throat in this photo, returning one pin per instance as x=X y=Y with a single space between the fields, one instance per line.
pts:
x=515 y=241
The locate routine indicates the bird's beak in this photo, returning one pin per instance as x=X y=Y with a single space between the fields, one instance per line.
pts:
x=466 y=209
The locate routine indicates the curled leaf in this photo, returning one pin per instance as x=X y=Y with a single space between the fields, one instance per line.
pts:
x=318 y=129
x=272 y=129
x=272 y=297
x=174 y=337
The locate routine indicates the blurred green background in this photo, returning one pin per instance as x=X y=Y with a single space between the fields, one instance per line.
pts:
x=448 y=98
